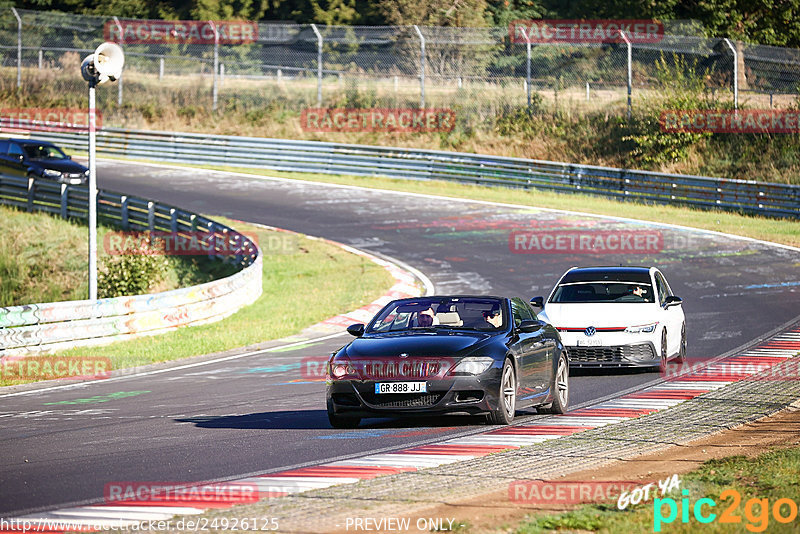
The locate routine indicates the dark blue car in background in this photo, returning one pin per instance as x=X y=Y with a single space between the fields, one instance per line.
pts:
x=31 y=158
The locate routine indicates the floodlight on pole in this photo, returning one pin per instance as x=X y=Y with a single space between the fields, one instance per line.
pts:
x=105 y=65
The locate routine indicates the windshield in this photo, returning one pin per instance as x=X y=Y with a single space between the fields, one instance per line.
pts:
x=467 y=313
x=44 y=152
x=616 y=291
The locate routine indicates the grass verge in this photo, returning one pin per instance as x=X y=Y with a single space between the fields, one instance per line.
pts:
x=44 y=258
x=312 y=281
x=765 y=479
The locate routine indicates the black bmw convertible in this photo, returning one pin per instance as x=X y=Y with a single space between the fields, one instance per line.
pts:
x=448 y=354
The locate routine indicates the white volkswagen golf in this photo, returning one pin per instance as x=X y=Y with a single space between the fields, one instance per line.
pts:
x=616 y=317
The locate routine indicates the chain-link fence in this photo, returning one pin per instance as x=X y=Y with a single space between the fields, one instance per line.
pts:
x=478 y=72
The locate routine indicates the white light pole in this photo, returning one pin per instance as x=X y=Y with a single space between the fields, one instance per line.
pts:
x=105 y=65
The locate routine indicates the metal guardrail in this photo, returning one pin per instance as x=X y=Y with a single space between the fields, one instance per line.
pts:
x=769 y=199
x=40 y=328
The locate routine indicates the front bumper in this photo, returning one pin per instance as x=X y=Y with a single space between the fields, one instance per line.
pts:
x=614 y=349
x=631 y=355
x=463 y=394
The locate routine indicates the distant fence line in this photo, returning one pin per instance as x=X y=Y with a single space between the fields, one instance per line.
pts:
x=468 y=68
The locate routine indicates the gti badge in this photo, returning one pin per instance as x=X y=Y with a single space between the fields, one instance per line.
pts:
x=590 y=331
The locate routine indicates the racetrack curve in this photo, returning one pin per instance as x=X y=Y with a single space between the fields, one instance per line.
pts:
x=255 y=414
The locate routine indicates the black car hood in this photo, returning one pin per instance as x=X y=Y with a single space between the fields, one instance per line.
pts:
x=445 y=343
x=62 y=165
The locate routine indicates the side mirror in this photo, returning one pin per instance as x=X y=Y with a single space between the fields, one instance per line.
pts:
x=356 y=330
x=538 y=302
x=69 y=157
x=528 y=326
x=672 y=300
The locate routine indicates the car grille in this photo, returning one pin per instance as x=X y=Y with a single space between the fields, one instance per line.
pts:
x=388 y=400
x=619 y=354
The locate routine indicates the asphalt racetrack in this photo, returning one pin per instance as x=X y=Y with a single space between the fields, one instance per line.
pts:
x=256 y=413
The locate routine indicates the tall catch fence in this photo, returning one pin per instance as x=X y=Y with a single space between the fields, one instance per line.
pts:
x=479 y=72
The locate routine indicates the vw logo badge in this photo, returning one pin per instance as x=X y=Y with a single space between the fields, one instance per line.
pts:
x=404 y=355
x=590 y=331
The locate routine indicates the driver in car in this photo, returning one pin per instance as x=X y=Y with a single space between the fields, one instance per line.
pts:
x=427 y=318
x=494 y=317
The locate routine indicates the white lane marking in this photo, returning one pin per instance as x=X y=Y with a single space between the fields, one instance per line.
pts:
x=71 y=523
x=174 y=510
x=169 y=369
x=639 y=403
x=638 y=406
x=295 y=484
x=405 y=460
x=694 y=384
x=581 y=420
x=144 y=513
x=778 y=353
x=433 y=461
x=661 y=390
x=509 y=439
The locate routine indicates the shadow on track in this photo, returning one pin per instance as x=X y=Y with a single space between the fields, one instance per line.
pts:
x=318 y=420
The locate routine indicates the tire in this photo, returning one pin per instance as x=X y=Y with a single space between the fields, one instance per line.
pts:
x=560 y=387
x=338 y=421
x=681 y=358
x=662 y=366
x=506 y=407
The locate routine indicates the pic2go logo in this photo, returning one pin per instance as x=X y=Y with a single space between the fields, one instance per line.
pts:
x=756 y=511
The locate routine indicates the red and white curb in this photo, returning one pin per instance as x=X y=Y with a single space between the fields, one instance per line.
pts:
x=652 y=399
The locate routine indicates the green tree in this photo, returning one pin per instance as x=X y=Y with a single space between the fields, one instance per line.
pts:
x=335 y=12
x=502 y=12
x=773 y=22
x=470 y=13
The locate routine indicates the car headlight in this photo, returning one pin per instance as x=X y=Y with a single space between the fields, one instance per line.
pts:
x=51 y=173
x=340 y=370
x=642 y=329
x=472 y=365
